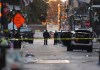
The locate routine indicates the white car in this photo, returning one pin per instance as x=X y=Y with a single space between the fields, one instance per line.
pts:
x=81 y=39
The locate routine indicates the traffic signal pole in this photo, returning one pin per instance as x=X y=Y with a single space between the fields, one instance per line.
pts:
x=99 y=56
x=3 y=22
x=13 y=19
x=99 y=52
x=94 y=2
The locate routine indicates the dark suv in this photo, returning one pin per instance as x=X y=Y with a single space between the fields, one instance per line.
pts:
x=81 y=39
x=26 y=34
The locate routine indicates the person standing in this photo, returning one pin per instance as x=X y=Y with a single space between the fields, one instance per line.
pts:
x=1 y=33
x=55 y=38
x=17 y=41
x=46 y=35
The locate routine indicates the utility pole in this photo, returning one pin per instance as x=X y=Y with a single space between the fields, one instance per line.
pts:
x=59 y=16
x=3 y=23
x=90 y=14
x=95 y=4
x=13 y=11
x=0 y=8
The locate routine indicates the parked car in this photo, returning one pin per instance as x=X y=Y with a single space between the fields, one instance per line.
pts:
x=65 y=38
x=81 y=39
x=26 y=34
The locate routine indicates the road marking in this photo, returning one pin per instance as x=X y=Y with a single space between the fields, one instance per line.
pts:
x=52 y=61
x=30 y=60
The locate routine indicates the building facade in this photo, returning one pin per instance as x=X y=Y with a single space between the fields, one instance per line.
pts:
x=77 y=13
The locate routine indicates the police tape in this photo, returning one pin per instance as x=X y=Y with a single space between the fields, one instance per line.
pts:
x=55 y=38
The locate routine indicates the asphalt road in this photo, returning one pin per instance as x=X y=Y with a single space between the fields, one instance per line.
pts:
x=55 y=57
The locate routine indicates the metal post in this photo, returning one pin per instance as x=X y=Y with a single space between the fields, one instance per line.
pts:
x=90 y=14
x=59 y=14
x=99 y=56
x=13 y=18
x=92 y=25
x=81 y=20
x=99 y=51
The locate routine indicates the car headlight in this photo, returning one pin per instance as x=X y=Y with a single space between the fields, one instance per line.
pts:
x=16 y=39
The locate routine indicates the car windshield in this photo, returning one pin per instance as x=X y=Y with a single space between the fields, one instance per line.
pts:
x=25 y=30
x=82 y=33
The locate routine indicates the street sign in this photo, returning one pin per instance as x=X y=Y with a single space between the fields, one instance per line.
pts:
x=18 y=20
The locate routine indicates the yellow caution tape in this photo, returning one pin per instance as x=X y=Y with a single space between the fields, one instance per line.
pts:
x=54 y=38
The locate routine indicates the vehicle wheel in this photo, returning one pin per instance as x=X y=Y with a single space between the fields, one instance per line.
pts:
x=31 y=41
x=69 y=48
x=90 y=49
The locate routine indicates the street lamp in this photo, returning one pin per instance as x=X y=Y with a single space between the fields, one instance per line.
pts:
x=13 y=11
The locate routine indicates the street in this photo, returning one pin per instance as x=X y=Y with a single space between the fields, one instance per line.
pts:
x=25 y=26
x=56 y=57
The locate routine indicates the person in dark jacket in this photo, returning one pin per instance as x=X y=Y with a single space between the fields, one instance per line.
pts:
x=55 y=38
x=46 y=35
x=17 y=41
x=1 y=33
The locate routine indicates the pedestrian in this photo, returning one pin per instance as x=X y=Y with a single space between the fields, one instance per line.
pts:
x=17 y=41
x=1 y=33
x=46 y=35
x=10 y=34
x=55 y=38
